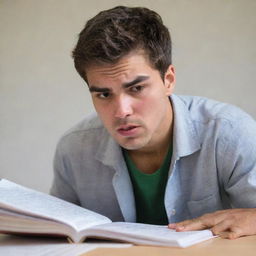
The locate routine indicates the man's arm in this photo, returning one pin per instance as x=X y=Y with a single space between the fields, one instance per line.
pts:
x=237 y=171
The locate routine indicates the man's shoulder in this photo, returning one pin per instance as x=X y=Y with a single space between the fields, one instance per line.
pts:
x=88 y=124
x=89 y=130
x=202 y=121
x=204 y=110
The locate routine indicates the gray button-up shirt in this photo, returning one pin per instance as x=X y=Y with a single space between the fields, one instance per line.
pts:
x=213 y=164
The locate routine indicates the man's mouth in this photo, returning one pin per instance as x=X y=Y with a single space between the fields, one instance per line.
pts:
x=127 y=130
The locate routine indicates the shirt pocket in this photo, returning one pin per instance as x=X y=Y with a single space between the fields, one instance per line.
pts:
x=208 y=204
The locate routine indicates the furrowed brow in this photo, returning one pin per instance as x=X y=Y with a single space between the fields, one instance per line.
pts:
x=137 y=80
x=98 y=89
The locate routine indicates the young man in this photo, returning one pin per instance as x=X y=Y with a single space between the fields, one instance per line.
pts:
x=149 y=155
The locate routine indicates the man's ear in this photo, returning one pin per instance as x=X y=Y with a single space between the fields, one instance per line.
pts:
x=169 y=80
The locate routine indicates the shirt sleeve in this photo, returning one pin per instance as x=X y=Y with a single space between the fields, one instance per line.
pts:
x=63 y=182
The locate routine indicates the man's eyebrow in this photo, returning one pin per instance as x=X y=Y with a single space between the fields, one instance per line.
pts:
x=98 y=89
x=137 y=80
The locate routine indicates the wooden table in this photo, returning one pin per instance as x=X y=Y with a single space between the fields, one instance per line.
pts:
x=244 y=246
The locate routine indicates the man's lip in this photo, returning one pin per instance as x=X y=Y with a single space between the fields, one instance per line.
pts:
x=126 y=127
x=128 y=130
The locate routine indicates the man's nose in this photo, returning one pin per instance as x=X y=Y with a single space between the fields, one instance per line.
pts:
x=123 y=107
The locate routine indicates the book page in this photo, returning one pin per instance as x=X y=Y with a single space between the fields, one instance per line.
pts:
x=150 y=234
x=20 y=199
x=29 y=246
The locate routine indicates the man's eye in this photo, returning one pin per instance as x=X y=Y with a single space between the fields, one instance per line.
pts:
x=137 y=88
x=103 y=95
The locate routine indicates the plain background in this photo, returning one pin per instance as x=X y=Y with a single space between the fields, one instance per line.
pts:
x=41 y=95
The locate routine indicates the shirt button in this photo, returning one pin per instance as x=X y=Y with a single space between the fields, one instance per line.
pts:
x=173 y=212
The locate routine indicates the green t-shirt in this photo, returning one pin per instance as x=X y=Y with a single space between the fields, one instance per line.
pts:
x=149 y=191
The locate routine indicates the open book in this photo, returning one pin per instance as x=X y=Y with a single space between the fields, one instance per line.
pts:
x=26 y=211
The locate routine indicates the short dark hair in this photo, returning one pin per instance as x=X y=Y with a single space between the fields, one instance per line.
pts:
x=114 y=33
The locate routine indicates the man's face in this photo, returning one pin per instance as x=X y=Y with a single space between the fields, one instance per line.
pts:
x=131 y=99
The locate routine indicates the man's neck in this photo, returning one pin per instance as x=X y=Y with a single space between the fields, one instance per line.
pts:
x=150 y=160
x=149 y=163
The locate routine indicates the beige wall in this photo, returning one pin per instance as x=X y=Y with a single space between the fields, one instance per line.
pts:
x=41 y=95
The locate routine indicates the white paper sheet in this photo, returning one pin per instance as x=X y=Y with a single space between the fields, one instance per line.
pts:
x=30 y=246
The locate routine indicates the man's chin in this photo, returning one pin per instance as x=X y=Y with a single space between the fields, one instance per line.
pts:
x=132 y=144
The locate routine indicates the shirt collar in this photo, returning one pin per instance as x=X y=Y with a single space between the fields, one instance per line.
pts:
x=109 y=152
x=185 y=138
